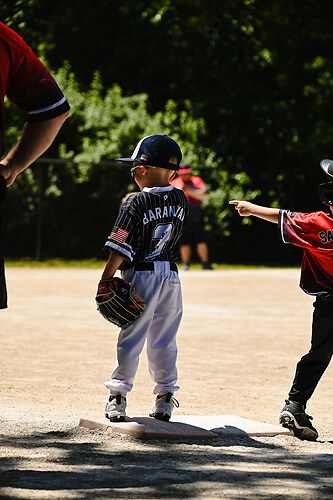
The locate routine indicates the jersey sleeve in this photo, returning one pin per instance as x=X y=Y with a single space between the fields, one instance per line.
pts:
x=299 y=228
x=26 y=81
x=125 y=237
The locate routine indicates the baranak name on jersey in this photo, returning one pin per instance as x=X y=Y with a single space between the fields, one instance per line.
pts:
x=161 y=212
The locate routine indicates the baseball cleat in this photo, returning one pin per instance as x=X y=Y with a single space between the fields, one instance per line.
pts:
x=163 y=406
x=115 y=409
x=293 y=417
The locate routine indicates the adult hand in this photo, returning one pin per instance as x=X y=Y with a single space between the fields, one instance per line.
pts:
x=6 y=172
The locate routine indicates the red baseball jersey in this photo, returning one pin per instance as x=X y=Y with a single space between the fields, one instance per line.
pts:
x=26 y=81
x=314 y=233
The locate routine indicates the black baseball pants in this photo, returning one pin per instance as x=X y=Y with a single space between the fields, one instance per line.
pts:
x=311 y=367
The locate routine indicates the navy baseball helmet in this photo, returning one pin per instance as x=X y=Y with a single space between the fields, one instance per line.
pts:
x=156 y=151
x=326 y=189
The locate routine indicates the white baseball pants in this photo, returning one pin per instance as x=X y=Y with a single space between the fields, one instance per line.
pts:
x=158 y=324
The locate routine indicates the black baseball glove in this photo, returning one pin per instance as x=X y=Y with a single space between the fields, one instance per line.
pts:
x=118 y=301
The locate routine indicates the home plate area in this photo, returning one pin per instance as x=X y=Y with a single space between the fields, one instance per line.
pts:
x=185 y=427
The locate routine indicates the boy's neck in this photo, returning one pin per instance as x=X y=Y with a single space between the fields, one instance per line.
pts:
x=154 y=184
x=150 y=177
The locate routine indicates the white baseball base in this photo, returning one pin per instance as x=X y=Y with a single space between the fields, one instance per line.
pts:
x=148 y=428
x=184 y=427
x=231 y=425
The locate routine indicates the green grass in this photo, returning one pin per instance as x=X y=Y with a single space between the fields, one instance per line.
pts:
x=86 y=263
x=99 y=264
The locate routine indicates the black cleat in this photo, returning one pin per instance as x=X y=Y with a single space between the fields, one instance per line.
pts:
x=293 y=417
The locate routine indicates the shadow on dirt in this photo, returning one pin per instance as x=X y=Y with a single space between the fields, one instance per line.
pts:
x=58 y=461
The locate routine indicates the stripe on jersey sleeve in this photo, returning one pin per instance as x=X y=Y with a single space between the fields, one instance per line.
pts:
x=47 y=108
x=124 y=249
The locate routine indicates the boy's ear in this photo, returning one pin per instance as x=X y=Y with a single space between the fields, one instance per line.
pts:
x=144 y=169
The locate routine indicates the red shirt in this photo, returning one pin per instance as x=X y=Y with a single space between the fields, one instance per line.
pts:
x=26 y=81
x=314 y=233
x=193 y=183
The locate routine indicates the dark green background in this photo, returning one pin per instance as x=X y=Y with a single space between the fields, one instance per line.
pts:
x=253 y=81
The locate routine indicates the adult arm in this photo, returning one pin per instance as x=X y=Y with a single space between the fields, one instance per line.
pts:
x=36 y=138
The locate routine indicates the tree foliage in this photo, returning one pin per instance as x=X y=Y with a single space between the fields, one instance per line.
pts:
x=244 y=85
x=89 y=185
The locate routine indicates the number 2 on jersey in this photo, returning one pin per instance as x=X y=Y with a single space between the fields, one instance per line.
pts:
x=161 y=235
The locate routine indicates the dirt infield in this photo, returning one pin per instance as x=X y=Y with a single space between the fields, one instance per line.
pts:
x=242 y=333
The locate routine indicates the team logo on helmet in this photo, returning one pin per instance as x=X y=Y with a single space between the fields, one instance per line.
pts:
x=143 y=157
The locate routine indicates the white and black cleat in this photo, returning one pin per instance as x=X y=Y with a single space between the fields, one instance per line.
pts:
x=163 y=407
x=115 y=409
x=293 y=417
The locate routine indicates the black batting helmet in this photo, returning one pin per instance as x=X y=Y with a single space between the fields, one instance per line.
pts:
x=326 y=189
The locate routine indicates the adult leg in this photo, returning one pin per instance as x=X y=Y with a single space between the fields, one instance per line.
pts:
x=202 y=250
x=200 y=241
x=185 y=254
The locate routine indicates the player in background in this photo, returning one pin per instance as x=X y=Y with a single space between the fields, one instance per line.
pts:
x=143 y=245
x=26 y=82
x=314 y=233
x=194 y=234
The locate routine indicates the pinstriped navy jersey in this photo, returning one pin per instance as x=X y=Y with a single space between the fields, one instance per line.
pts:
x=149 y=226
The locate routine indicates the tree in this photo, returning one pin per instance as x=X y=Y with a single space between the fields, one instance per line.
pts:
x=257 y=73
x=89 y=185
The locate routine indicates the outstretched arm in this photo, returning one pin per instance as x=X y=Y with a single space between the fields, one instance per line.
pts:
x=246 y=208
x=36 y=138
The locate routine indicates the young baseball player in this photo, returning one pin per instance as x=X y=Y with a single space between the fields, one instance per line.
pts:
x=143 y=245
x=314 y=233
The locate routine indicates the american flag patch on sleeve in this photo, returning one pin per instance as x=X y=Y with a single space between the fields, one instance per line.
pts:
x=120 y=235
